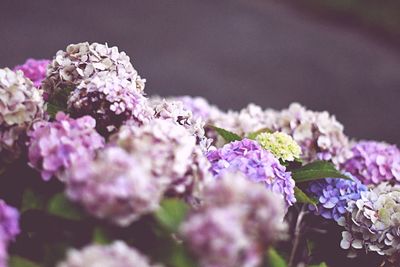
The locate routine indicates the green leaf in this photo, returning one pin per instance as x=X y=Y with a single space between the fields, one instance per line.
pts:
x=171 y=213
x=227 y=135
x=58 y=102
x=180 y=258
x=100 y=236
x=53 y=109
x=302 y=197
x=17 y=261
x=317 y=170
x=60 y=206
x=253 y=135
x=322 y=264
x=31 y=201
x=274 y=259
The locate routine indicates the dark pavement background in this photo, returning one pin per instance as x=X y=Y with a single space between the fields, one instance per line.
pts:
x=230 y=51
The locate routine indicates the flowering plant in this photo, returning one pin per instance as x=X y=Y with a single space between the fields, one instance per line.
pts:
x=95 y=173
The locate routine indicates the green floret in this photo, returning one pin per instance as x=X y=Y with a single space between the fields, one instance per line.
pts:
x=280 y=144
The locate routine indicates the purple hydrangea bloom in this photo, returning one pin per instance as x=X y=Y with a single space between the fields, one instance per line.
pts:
x=54 y=146
x=115 y=185
x=9 y=228
x=258 y=164
x=374 y=162
x=333 y=195
x=34 y=69
x=237 y=220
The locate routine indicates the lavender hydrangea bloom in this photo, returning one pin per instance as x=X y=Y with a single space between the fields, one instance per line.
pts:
x=374 y=162
x=34 y=69
x=54 y=146
x=115 y=185
x=199 y=107
x=110 y=100
x=20 y=105
x=117 y=254
x=333 y=195
x=173 y=153
x=236 y=221
x=9 y=228
x=258 y=164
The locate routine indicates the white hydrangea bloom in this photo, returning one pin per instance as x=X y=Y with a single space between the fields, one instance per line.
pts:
x=20 y=104
x=80 y=62
x=373 y=221
x=318 y=133
x=117 y=254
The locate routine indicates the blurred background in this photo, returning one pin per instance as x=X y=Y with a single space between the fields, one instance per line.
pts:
x=337 y=55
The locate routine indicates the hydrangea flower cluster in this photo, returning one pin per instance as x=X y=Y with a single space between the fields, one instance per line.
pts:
x=20 y=104
x=9 y=228
x=235 y=222
x=333 y=195
x=110 y=100
x=177 y=112
x=115 y=185
x=258 y=164
x=373 y=221
x=81 y=62
x=374 y=162
x=171 y=150
x=34 y=69
x=199 y=107
x=102 y=82
x=319 y=134
x=281 y=145
x=54 y=146
x=117 y=254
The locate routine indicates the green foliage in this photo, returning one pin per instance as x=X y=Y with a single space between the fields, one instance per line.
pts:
x=17 y=261
x=58 y=102
x=60 y=206
x=31 y=200
x=227 y=135
x=302 y=197
x=317 y=170
x=171 y=213
x=181 y=258
x=274 y=259
x=100 y=236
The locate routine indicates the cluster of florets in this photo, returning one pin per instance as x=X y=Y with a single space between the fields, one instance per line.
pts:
x=237 y=220
x=20 y=105
x=34 y=69
x=256 y=163
x=115 y=185
x=55 y=146
x=374 y=162
x=281 y=145
x=171 y=150
x=373 y=221
x=319 y=134
x=9 y=228
x=117 y=254
x=178 y=113
x=333 y=194
x=81 y=62
x=97 y=80
x=110 y=100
